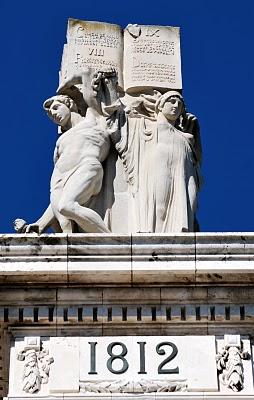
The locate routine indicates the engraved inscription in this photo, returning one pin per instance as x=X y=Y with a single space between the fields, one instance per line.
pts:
x=148 y=72
x=96 y=52
x=85 y=38
x=82 y=62
x=152 y=32
x=164 y=47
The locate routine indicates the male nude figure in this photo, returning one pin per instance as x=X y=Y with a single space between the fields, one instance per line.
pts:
x=77 y=176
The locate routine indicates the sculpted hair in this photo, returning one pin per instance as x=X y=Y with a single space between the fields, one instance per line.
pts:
x=62 y=99
x=162 y=100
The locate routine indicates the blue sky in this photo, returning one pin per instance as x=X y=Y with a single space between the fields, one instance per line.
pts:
x=218 y=83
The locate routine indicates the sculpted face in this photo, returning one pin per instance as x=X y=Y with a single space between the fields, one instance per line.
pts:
x=59 y=113
x=172 y=108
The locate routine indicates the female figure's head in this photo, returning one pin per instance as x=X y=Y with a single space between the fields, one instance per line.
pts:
x=171 y=105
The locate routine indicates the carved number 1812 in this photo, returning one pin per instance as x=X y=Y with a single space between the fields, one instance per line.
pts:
x=142 y=361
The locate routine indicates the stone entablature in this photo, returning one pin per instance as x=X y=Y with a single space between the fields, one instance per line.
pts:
x=130 y=285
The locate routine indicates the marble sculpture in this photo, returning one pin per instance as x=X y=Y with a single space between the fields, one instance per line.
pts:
x=142 y=140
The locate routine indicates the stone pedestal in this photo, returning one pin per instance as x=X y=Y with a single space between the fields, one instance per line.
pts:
x=186 y=289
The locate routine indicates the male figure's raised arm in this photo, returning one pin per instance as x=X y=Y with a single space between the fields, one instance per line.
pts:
x=75 y=79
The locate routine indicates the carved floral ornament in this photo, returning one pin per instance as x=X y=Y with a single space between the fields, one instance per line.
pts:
x=127 y=386
x=229 y=362
x=36 y=364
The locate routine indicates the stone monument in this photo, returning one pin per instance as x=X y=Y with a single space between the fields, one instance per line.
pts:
x=135 y=123
x=126 y=300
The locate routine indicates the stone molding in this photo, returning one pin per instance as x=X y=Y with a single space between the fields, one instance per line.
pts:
x=149 y=396
x=127 y=260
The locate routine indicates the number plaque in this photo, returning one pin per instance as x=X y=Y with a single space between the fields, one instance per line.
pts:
x=136 y=358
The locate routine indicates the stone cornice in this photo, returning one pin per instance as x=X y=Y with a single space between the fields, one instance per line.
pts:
x=127 y=260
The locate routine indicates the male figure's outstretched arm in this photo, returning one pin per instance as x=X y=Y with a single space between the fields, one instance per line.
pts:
x=45 y=221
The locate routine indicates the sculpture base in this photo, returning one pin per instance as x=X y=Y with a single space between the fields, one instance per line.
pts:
x=141 y=285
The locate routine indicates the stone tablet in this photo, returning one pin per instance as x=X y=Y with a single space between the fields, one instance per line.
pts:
x=92 y=44
x=152 y=57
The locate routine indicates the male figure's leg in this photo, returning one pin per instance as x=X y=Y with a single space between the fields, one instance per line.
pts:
x=65 y=223
x=85 y=182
